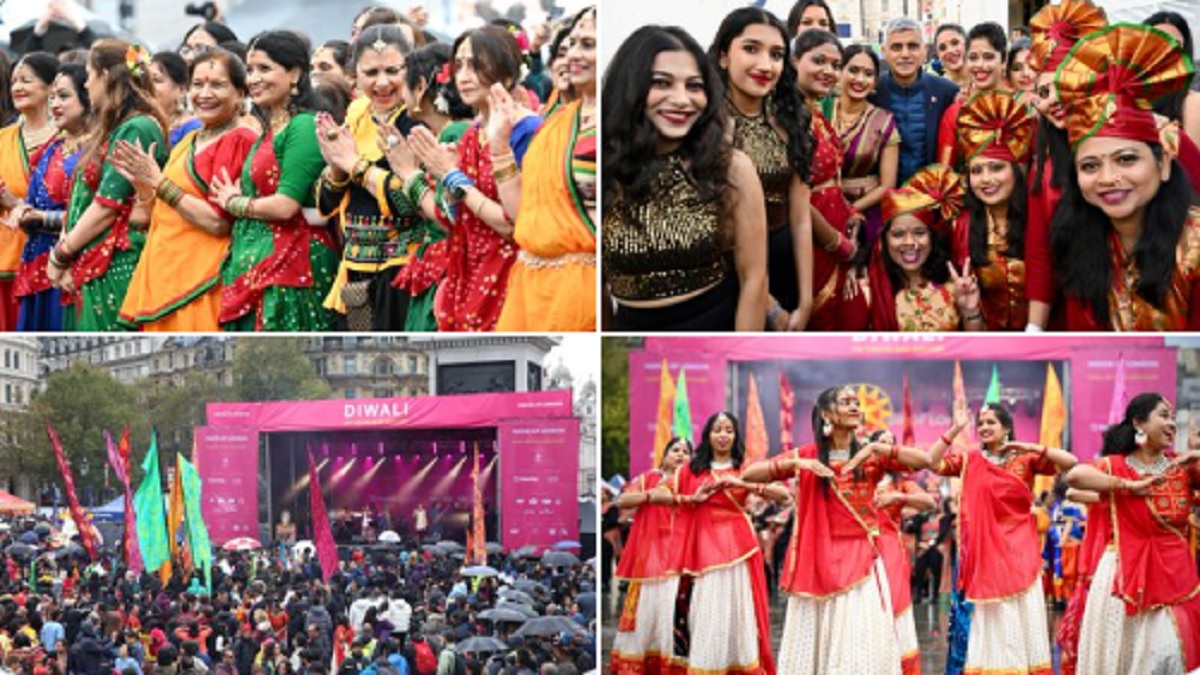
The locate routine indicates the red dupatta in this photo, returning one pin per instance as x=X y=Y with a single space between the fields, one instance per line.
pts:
x=653 y=548
x=1001 y=554
x=288 y=264
x=831 y=550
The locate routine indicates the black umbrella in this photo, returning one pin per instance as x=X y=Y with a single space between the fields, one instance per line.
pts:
x=493 y=547
x=514 y=595
x=29 y=537
x=480 y=645
x=528 y=611
x=559 y=559
x=526 y=552
x=544 y=626
x=529 y=585
x=42 y=529
x=587 y=604
x=21 y=550
x=59 y=36
x=497 y=614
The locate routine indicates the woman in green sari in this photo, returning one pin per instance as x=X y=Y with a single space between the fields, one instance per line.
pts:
x=280 y=267
x=105 y=224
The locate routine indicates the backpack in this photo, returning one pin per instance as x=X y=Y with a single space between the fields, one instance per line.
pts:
x=426 y=662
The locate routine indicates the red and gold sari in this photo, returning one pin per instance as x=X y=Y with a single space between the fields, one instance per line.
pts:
x=829 y=273
x=1001 y=282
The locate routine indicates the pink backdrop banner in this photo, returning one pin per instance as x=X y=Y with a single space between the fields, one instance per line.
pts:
x=539 y=469
x=227 y=459
x=706 y=395
x=1086 y=368
x=468 y=410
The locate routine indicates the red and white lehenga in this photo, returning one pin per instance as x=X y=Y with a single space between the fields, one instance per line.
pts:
x=645 y=633
x=839 y=615
x=1096 y=537
x=897 y=561
x=728 y=621
x=1143 y=607
x=1001 y=563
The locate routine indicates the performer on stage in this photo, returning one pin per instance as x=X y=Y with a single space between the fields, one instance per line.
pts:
x=652 y=564
x=728 y=626
x=839 y=615
x=1142 y=612
x=1001 y=563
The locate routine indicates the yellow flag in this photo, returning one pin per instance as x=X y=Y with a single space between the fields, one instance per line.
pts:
x=1054 y=411
x=666 y=410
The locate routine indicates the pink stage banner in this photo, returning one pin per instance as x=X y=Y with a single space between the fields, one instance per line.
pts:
x=227 y=459
x=1092 y=378
x=539 y=469
x=468 y=410
x=705 y=387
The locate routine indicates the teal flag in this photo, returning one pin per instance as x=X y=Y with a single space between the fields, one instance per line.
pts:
x=197 y=532
x=993 y=392
x=151 y=517
x=681 y=424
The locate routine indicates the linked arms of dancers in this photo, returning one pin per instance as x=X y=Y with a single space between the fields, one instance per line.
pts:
x=1087 y=477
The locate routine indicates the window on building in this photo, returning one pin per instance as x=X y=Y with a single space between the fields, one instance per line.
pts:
x=319 y=364
x=350 y=393
x=8 y=395
x=16 y=360
x=7 y=359
x=412 y=364
x=384 y=393
x=350 y=365
x=383 y=366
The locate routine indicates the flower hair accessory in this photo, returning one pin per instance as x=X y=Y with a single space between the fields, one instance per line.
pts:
x=137 y=59
x=443 y=76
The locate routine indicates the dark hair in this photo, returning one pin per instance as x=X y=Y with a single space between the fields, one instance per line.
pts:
x=950 y=27
x=289 y=50
x=237 y=48
x=43 y=65
x=424 y=65
x=679 y=439
x=78 y=75
x=1017 y=47
x=336 y=93
x=8 y=113
x=126 y=94
x=934 y=268
x=219 y=32
x=788 y=109
x=385 y=33
x=993 y=33
x=1079 y=243
x=495 y=53
x=174 y=66
x=1119 y=438
x=1003 y=416
x=702 y=458
x=1171 y=106
x=1023 y=31
x=856 y=49
x=233 y=67
x=825 y=400
x=1051 y=143
x=811 y=39
x=630 y=140
x=1018 y=210
x=797 y=12
x=560 y=36
x=340 y=50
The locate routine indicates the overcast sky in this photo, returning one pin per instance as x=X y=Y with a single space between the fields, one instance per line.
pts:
x=581 y=354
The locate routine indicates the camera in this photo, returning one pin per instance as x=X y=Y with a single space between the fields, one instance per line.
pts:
x=208 y=10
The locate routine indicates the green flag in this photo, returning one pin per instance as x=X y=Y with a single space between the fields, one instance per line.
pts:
x=681 y=425
x=993 y=392
x=197 y=532
x=151 y=517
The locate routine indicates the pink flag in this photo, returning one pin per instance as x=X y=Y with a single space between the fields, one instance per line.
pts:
x=787 y=404
x=322 y=533
x=119 y=461
x=1120 y=396
x=85 y=528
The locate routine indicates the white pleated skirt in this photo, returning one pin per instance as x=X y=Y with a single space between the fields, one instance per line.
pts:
x=851 y=633
x=906 y=637
x=1010 y=636
x=1112 y=642
x=724 y=633
x=653 y=634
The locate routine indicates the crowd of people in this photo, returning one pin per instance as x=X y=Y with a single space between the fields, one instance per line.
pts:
x=853 y=528
x=390 y=182
x=389 y=609
x=781 y=180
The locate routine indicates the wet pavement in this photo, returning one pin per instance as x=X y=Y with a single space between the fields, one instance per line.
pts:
x=930 y=619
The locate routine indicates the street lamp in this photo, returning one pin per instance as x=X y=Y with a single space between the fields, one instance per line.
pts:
x=83 y=472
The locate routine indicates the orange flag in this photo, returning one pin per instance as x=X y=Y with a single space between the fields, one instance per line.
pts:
x=666 y=411
x=174 y=521
x=787 y=405
x=1054 y=411
x=756 y=426
x=478 y=545
x=908 y=436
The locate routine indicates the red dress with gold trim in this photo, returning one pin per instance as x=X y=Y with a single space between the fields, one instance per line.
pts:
x=1004 y=305
x=829 y=274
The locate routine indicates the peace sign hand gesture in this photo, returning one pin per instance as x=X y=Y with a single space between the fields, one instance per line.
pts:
x=965 y=287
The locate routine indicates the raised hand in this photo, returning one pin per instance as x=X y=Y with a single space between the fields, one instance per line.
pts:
x=962 y=416
x=337 y=146
x=965 y=288
x=502 y=116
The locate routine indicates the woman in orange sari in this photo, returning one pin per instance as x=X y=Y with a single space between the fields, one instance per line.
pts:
x=21 y=147
x=1000 y=560
x=552 y=285
x=176 y=285
x=1142 y=613
x=839 y=610
x=652 y=565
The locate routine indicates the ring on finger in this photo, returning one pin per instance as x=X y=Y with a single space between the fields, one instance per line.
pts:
x=392 y=140
x=332 y=134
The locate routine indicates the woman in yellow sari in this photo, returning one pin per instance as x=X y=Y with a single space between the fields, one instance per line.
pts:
x=552 y=286
x=176 y=285
x=21 y=147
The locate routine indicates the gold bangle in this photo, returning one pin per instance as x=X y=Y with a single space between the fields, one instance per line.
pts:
x=506 y=174
x=361 y=167
x=336 y=185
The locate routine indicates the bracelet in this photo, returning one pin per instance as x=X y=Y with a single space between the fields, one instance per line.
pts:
x=506 y=153
x=238 y=207
x=774 y=313
x=845 y=247
x=361 y=167
x=169 y=192
x=456 y=181
x=837 y=243
x=773 y=469
x=506 y=173
x=327 y=174
x=946 y=440
x=1117 y=485
x=760 y=489
x=55 y=261
x=142 y=201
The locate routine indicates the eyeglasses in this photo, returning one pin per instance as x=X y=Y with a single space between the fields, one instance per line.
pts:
x=189 y=50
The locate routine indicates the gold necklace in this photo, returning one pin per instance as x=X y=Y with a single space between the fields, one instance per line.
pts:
x=278 y=124
x=34 y=138
x=845 y=123
x=209 y=133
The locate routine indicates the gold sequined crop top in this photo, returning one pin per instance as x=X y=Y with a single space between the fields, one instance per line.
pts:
x=767 y=150
x=669 y=245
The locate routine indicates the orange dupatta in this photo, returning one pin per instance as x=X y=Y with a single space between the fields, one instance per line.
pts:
x=14 y=171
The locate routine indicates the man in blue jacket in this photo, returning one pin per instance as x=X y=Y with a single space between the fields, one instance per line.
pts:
x=916 y=98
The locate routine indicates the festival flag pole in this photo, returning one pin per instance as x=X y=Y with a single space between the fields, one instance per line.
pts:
x=479 y=534
x=151 y=516
x=908 y=435
x=77 y=514
x=197 y=532
x=787 y=404
x=322 y=533
x=993 y=391
x=662 y=424
x=118 y=456
x=756 y=425
x=1120 y=395
x=1054 y=420
x=681 y=419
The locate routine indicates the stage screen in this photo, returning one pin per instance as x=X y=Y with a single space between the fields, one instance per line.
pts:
x=227 y=459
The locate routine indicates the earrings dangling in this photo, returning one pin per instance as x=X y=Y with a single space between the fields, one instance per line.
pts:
x=1139 y=437
x=295 y=89
x=827 y=429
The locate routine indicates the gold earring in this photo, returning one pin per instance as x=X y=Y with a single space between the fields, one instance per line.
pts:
x=295 y=89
